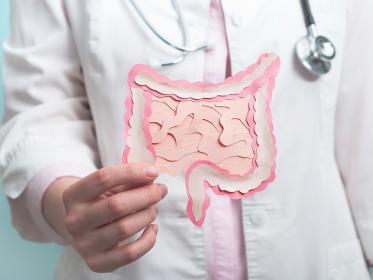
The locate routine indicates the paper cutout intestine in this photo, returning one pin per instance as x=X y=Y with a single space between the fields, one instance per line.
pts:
x=218 y=136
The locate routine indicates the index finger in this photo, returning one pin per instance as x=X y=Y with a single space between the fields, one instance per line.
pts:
x=97 y=183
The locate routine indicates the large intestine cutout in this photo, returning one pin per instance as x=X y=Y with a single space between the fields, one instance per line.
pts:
x=219 y=136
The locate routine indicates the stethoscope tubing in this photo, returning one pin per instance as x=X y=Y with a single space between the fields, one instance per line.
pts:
x=312 y=59
x=307 y=12
x=185 y=48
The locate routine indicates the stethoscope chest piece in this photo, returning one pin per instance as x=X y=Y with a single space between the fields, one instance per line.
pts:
x=314 y=52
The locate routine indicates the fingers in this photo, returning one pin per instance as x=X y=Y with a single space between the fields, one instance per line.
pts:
x=120 y=256
x=97 y=183
x=106 y=208
x=110 y=235
x=119 y=205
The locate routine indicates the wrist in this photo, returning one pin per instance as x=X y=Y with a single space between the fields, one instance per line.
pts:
x=52 y=205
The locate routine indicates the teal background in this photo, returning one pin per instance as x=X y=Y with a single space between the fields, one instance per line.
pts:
x=19 y=259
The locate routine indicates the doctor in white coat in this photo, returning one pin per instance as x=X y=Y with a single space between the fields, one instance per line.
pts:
x=66 y=64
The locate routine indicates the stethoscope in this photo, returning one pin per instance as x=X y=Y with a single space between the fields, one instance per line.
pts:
x=314 y=52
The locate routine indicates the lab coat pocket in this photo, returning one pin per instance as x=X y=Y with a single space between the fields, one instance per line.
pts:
x=346 y=262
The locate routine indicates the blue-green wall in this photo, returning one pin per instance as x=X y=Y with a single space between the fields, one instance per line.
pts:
x=19 y=259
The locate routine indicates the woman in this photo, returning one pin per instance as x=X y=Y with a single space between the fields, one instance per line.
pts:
x=66 y=64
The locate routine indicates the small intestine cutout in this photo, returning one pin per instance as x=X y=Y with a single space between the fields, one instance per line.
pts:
x=218 y=136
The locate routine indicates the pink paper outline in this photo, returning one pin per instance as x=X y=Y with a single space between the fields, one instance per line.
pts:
x=138 y=68
x=267 y=76
x=236 y=194
x=126 y=119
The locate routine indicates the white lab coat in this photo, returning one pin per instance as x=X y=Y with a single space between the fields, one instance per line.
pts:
x=65 y=85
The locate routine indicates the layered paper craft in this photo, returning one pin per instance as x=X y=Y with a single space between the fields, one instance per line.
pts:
x=219 y=136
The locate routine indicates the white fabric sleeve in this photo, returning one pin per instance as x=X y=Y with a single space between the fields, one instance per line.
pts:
x=354 y=120
x=47 y=119
x=26 y=210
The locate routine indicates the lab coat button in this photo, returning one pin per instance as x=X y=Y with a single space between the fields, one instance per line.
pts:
x=237 y=19
x=259 y=217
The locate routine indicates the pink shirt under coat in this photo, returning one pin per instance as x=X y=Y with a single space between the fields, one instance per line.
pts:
x=223 y=225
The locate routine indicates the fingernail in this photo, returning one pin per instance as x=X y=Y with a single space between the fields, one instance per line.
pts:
x=164 y=189
x=151 y=171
